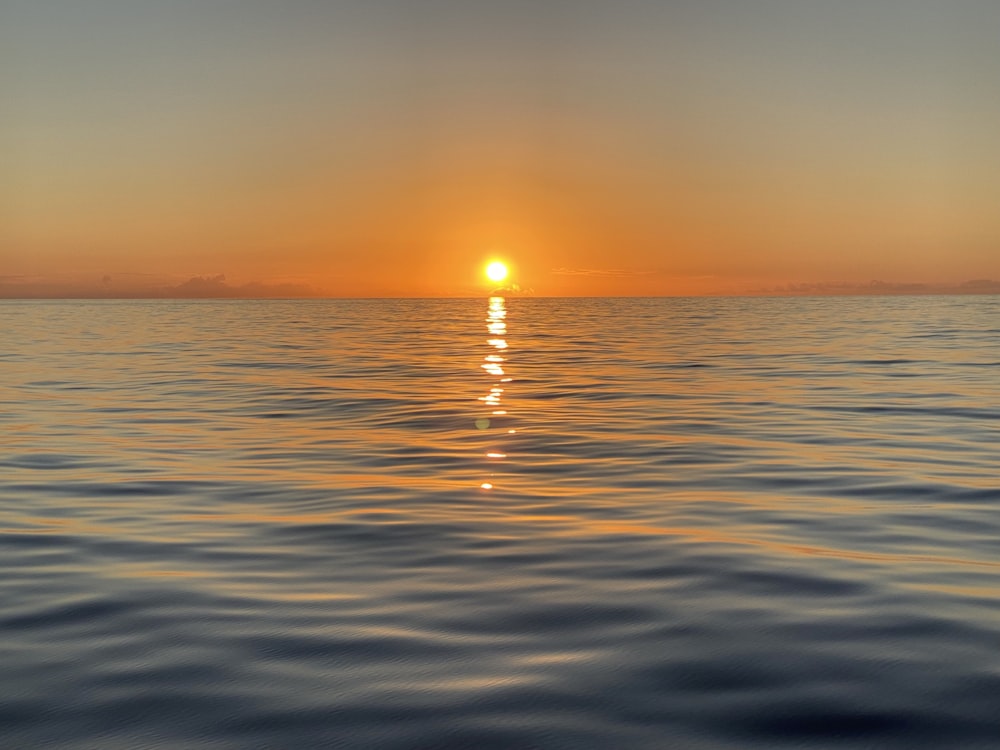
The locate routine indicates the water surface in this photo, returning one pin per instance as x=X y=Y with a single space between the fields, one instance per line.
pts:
x=530 y=523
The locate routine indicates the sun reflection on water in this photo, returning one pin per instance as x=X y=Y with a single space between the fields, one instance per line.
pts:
x=493 y=364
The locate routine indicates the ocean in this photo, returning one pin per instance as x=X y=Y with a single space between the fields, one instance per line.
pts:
x=500 y=523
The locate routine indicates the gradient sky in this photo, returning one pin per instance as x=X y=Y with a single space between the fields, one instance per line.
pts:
x=384 y=148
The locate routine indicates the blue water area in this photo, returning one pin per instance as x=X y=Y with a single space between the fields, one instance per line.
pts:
x=490 y=523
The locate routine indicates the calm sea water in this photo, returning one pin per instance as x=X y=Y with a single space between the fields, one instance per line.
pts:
x=522 y=523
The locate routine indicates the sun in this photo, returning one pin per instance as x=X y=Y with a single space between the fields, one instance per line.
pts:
x=496 y=271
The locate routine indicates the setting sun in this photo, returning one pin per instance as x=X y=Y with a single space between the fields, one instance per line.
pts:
x=496 y=271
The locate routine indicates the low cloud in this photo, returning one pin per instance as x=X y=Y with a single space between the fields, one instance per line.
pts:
x=512 y=289
x=145 y=286
x=973 y=286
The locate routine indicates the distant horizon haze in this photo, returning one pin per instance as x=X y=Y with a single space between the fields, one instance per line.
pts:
x=127 y=286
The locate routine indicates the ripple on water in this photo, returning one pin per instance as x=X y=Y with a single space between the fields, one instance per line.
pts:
x=718 y=523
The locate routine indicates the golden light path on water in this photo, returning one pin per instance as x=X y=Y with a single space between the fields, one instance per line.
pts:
x=493 y=364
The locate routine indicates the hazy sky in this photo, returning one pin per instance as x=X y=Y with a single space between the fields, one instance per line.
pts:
x=392 y=147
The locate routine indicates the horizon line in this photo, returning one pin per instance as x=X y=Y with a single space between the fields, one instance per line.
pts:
x=320 y=297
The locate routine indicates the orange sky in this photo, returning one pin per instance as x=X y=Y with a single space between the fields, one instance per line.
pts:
x=391 y=149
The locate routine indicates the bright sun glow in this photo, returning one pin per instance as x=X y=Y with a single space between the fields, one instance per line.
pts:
x=496 y=271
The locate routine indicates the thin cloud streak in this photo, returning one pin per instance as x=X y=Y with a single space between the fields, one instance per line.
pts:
x=600 y=272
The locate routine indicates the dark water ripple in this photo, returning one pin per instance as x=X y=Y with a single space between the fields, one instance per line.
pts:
x=710 y=523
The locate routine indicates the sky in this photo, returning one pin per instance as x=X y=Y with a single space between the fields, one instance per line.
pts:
x=394 y=147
